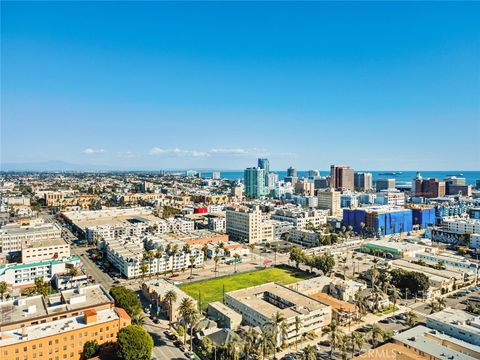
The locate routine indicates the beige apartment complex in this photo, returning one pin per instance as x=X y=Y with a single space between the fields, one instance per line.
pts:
x=246 y=224
x=329 y=200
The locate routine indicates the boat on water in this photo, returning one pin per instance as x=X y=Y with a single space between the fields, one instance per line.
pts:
x=392 y=173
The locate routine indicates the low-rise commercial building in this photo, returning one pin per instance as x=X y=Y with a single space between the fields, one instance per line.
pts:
x=44 y=250
x=12 y=236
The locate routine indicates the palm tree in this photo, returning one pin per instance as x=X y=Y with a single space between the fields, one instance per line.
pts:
x=309 y=353
x=173 y=253
x=394 y=296
x=236 y=258
x=361 y=305
x=441 y=303
x=376 y=295
x=205 y=251
x=411 y=318
x=275 y=251
x=73 y=271
x=298 y=325
x=158 y=256
x=333 y=335
x=138 y=319
x=193 y=318
x=266 y=342
x=192 y=264
x=216 y=259
x=148 y=256
x=185 y=310
x=433 y=306
x=170 y=297
x=249 y=336
x=251 y=246
x=377 y=333
x=278 y=324
x=143 y=269
x=3 y=288
x=357 y=341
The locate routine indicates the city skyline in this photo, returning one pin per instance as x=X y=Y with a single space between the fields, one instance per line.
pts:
x=174 y=86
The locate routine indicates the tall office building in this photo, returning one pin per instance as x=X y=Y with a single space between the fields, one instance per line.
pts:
x=272 y=180
x=363 y=181
x=330 y=200
x=428 y=188
x=291 y=172
x=254 y=179
x=341 y=177
x=313 y=173
x=385 y=184
x=264 y=164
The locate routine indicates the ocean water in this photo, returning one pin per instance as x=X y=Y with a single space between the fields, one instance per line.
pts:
x=402 y=177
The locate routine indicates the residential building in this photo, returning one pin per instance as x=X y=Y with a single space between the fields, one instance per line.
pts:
x=434 y=345
x=12 y=236
x=329 y=200
x=390 y=198
x=258 y=304
x=217 y=223
x=155 y=290
x=456 y=323
x=224 y=316
x=341 y=177
x=216 y=175
x=463 y=226
x=292 y=172
x=254 y=180
x=448 y=260
x=301 y=218
x=58 y=326
x=246 y=224
x=19 y=275
x=264 y=164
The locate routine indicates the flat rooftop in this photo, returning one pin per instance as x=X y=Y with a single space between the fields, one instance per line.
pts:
x=400 y=246
x=434 y=343
x=253 y=297
x=36 y=306
x=11 y=229
x=459 y=319
x=162 y=287
x=55 y=327
x=45 y=243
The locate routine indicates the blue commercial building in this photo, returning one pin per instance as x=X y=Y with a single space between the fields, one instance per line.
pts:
x=423 y=217
x=384 y=220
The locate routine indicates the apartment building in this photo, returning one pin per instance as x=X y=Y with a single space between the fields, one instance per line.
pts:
x=20 y=275
x=300 y=217
x=390 y=198
x=58 y=326
x=44 y=250
x=155 y=291
x=307 y=238
x=12 y=236
x=456 y=323
x=363 y=181
x=258 y=304
x=341 y=177
x=448 y=260
x=329 y=200
x=246 y=224
x=127 y=255
x=216 y=223
x=463 y=226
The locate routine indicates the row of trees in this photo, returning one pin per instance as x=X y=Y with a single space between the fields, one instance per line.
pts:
x=323 y=262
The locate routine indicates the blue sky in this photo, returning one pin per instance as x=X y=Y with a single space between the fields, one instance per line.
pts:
x=214 y=85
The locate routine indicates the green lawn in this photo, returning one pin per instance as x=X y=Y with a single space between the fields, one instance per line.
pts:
x=212 y=290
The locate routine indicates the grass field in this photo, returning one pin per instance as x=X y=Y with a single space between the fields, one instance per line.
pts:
x=212 y=289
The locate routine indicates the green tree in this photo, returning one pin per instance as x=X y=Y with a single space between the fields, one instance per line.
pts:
x=126 y=299
x=357 y=341
x=309 y=353
x=411 y=318
x=377 y=334
x=334 y=335
x=297 y=255
x=206 y=347
x=41 y=287
x=134 y=343
x=298 y=325
x=266 y=342
x=3 y=288
x=185 y=310
x=277 y=323
x=170 y=297
x=191 y=258
x=90 y=349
